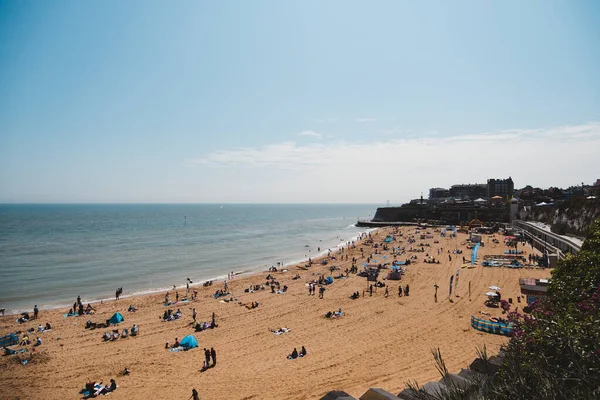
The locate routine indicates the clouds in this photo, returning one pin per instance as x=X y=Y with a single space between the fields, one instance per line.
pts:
x=366 y=120
x=310 y=133
x=400 y=169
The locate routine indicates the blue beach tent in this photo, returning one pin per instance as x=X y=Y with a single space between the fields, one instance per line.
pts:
x=117 y=318
x=189 y=342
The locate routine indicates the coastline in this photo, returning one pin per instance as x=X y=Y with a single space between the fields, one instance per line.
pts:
x=381 y=341
x=248 y=270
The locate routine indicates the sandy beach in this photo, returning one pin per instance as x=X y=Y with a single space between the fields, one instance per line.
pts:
x=379 y=342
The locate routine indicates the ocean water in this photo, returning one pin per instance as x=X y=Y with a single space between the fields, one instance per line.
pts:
x=51 y=253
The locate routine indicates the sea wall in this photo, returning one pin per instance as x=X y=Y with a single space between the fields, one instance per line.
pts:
x=448 y=215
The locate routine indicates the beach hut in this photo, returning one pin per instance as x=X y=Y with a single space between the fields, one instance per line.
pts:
x=189 y=342
x=117 y=318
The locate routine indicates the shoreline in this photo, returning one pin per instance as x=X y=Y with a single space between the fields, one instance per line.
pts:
x=218 y=278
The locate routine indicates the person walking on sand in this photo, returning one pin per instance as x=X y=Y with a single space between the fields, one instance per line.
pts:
x=35 y=311
x=194 y=395
x=194 y=314
x=206 y=357
x=387 y=292
x=213 y=355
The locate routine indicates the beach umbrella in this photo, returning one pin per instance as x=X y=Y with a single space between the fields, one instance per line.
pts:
x=493 y=294
x=495 y=288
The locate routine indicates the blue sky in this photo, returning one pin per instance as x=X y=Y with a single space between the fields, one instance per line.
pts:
x=293 y=101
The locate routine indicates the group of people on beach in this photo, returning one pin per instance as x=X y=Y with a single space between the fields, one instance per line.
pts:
x=115 y=334
x=169 y=315
x=93 y=389
x=208 y=356
x=295 y=353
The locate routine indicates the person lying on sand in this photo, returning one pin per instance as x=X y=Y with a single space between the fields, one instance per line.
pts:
x=279 y=331
x=334 y=314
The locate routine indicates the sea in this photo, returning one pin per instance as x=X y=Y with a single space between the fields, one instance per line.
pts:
x=52 y=253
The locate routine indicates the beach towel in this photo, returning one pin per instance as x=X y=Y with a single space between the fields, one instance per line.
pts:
x=9 y=340
x=176 y=349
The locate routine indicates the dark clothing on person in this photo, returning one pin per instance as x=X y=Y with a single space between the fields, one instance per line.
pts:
x=195 y=395
x=207 y=357
x=294 y=353
x=213 y=354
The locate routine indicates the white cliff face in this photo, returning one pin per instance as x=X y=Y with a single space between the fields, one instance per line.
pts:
x=572 y=217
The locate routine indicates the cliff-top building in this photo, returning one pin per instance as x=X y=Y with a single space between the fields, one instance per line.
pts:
x=500 y=187
x=494 y=187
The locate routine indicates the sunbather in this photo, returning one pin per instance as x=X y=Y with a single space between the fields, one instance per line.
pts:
x=25 y=340
x=109 y=388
